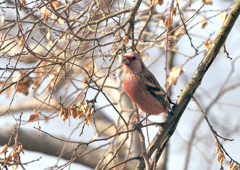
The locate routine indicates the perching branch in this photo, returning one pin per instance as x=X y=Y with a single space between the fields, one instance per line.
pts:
x=166 y=131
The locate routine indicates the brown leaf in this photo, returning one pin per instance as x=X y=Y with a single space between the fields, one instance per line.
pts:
x=207 y=2
x=174 y=11
x=235 y=167
x=223 y=17
x=45 y=15
x=221 y=157
x=149 y=58
x=50 y=43
x=48 y=34
x=24 y=3
x=21 y=42
x=203 y=22
x=74 y=111
x=96 y=136
x=232 y=166
x=14 y=166
x=207 y=44
x=89 y=114
x=79 y=113
x=23 y=85
x=19 y=148
x=61 y=112
x=168 y=21
x=63 y=38
x=34 y=116
x=3 y=18
x=4 y=149
x=154 y=2
x=160 y=2
x=15 y=156
x=125 y=39
x=65 y=113
x=179 y=32
x=56 y=4
x=60 y=21
x=174 y=73
x=217 y=149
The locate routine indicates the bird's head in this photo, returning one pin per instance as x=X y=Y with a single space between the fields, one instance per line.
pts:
x=132 y=62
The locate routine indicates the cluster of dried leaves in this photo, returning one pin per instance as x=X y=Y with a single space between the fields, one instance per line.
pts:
x=221 y=157
x=77 y=111
x=22 y=84
x=13 y=159
x=174 y=73
x=47 y=12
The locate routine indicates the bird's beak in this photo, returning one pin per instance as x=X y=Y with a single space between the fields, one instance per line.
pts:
x=126 y=61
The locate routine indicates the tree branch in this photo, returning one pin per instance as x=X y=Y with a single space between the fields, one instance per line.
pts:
x=164 y=133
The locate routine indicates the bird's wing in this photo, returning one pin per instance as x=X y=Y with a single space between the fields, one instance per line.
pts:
x=155 y=89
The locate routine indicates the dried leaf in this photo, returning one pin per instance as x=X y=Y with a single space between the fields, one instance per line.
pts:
x=3 y=18
x=223 y=17
x=66 y=114
x=24 y=3
x=34 y=116
x=231 y=165
x=207 y=2
x=48 y=34
x=115 y=48
x=89 y=113
x=4 y=149
x=15 y=156
x=52 y=15
x=221 y=157
x=23 y=85
x=149 y=58
x=61 y=112
x=21 y=42
x=74 y=111
x=50 y=43
x=217 y=149
x=79 y=113
x=168 y=21
x=207 y=44
x=235 y=167
x=96 y=136
x=174 y=11
x=14 y=166
x=9 y=158
x=179 y=32
x=143 y=58
x=160 y=2
x=203 y=22
x=125 y=39
x=63 y=38
x=19 y=148
x=60 y=21
x=175 y=72
x=45 y=15
x=56 y=4
x=154 y=2
x=160 y=22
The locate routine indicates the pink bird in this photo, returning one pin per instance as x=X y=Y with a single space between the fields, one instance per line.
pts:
x=142 y=87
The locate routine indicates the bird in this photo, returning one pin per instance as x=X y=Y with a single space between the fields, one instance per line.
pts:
x=142 y=87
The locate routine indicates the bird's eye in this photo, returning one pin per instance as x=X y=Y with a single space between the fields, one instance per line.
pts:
x=133 y=58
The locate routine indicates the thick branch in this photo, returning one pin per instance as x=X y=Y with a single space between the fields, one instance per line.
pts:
x=32 y=140
x=172 y=120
